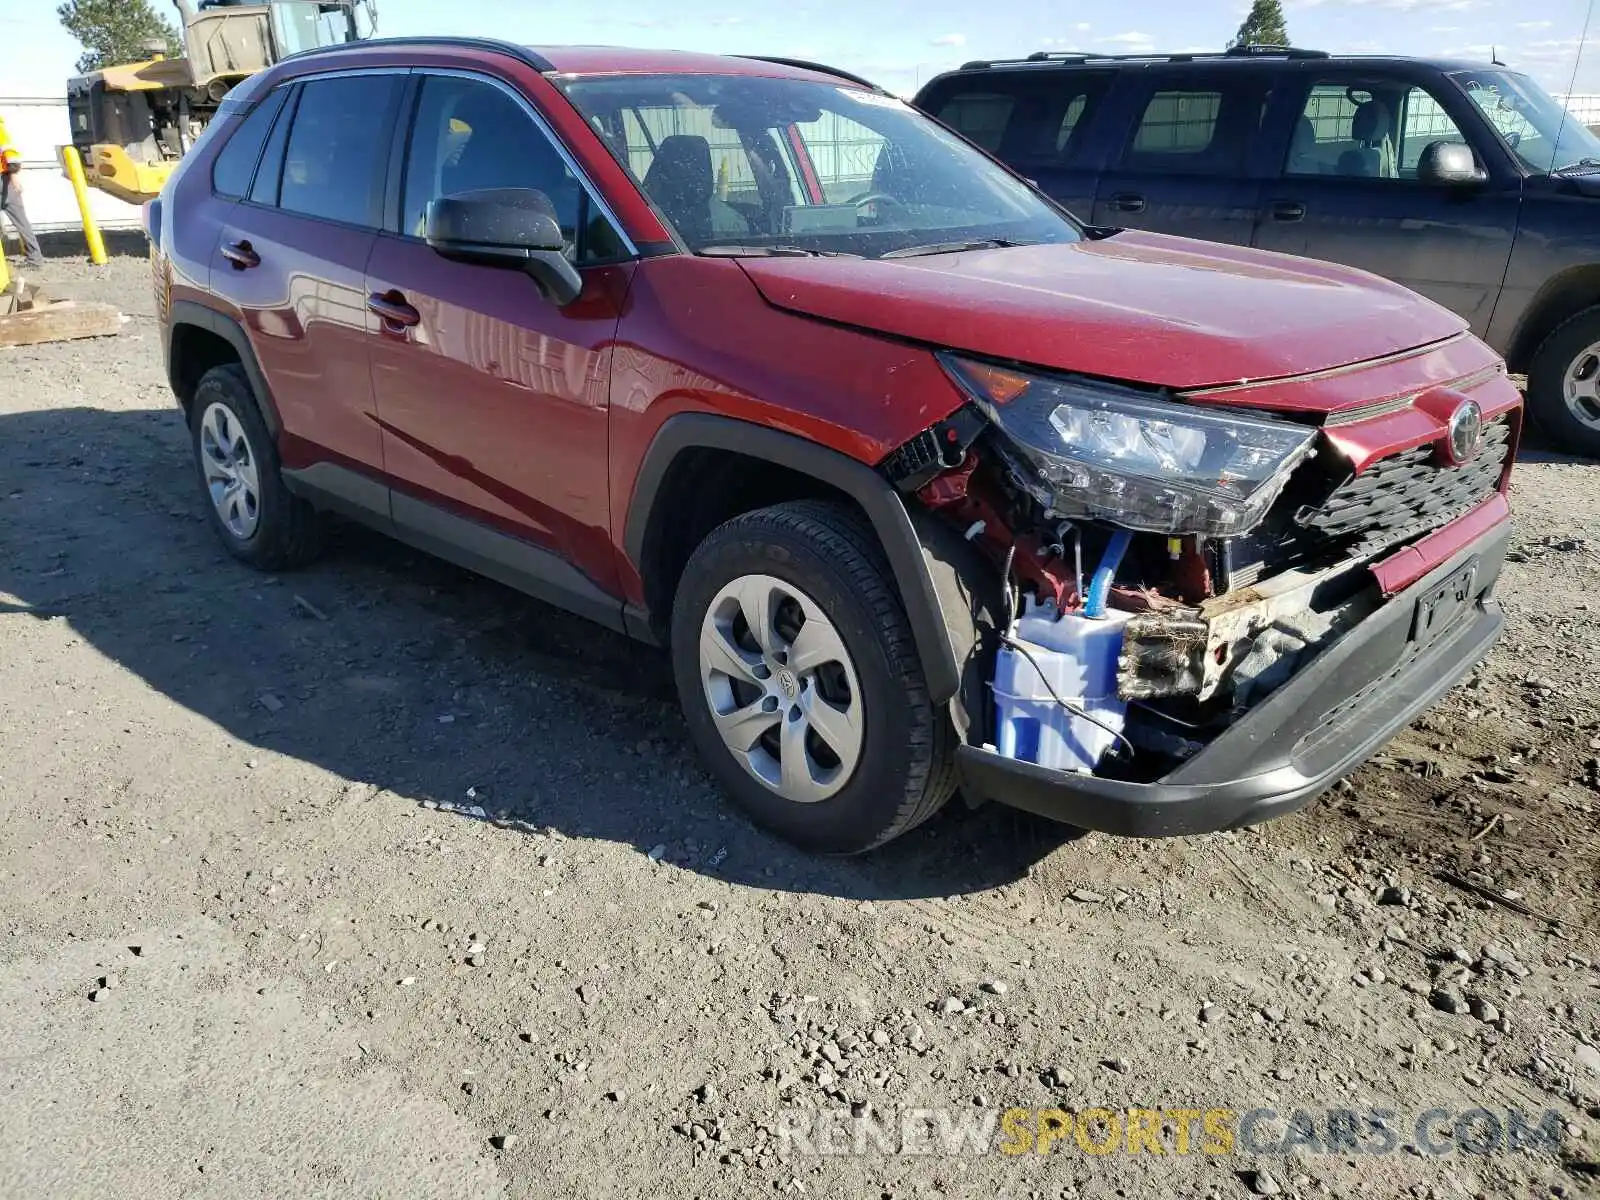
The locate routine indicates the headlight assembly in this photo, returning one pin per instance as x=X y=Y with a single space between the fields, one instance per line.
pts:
x=1117 y=455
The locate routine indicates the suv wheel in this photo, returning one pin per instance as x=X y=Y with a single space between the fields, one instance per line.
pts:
x=1564 y=384
x=801 y=683
x=258 y=519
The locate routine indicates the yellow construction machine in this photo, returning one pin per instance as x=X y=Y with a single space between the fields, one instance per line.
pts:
x=133 y=123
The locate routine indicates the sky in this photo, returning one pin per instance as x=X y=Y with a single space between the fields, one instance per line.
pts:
x=901 y=43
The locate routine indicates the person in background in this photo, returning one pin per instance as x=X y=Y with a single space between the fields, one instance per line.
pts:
x=11 y=198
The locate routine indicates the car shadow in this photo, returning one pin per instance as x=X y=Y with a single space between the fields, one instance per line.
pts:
x=118 y=243
x=1541 y=454
x=389 y=668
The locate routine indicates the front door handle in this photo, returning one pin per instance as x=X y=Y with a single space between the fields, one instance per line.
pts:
x=1130 y=202
x=241 y=255
x=393 y=310
x=1288 y=210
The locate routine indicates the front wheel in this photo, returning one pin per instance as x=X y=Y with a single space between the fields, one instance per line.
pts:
x=800 y=680
x=1564 y=385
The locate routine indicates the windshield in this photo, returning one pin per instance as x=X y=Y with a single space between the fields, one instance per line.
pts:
x=744 y=164
x=307 y=24
x=1543 y=134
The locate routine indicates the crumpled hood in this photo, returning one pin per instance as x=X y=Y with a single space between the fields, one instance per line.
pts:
x=1139 y=307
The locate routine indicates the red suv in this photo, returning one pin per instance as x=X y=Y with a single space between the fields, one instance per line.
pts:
x=923 y=483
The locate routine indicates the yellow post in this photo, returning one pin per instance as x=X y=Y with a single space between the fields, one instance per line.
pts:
x=91 y=231
x=5 y=275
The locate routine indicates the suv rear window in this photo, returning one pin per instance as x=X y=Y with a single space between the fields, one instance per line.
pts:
x=1032 y=119
x=1194 y=128
x=980 y=117
x=1178 y=123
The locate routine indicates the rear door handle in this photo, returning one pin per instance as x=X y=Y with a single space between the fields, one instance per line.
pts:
x=241 y=255
x=1288 y=210
x=1130 y=202
x=392 y=308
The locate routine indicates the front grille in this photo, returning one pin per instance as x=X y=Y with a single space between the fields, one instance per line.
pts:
x=1406 y=495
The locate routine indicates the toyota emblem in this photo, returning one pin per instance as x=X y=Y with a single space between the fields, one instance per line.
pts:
x=1465 y=431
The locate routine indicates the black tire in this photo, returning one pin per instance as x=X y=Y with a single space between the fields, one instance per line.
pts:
x=288 y=531
x=906 y=770
x=1547 y=402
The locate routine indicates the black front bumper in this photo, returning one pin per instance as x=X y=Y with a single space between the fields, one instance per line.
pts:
x=1312 y=732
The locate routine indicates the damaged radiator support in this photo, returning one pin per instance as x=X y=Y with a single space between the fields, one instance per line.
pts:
x=1249 y=641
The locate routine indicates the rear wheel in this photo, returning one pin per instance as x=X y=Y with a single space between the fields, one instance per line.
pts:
x=1564 y=385
x=252 y=511
x=800 y=680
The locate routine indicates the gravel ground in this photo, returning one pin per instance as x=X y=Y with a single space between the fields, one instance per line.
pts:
x=380 y=880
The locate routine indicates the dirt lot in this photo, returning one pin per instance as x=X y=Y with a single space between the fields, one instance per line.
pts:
x=382 y=880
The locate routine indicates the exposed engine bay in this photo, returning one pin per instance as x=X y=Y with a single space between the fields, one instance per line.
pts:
x=1128 y=649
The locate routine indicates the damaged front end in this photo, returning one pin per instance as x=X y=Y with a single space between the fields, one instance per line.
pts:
x=1167 y=567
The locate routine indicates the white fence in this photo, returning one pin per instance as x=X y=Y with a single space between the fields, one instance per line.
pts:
x=39 y=126
x=1585 y=108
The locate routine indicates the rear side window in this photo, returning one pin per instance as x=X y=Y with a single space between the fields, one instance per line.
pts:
x=236 y=163
x=1037 y=118
x=1204 y=130
x=1071 y=119
x=333 y=165
x=270 y=173
x=979 y=117
x=1178 y=123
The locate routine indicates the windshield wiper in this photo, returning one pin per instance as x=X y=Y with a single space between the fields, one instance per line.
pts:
x=950 y=248
x=1587 y=163
x=724 y=251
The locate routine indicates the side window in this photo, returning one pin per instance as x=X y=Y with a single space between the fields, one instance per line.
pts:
x=1178 y=123
x=334 y=162
x=1200 y=130
x=468 y=136
x=1423 y=121
x=1036 y=119
x=979 y=117
x=1324 y=132
x=1367 y=130
x=269 y=175
x=1071 y=121
x=235 y=164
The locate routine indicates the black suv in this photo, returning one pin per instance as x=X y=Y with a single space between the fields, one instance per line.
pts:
x=1467 y=183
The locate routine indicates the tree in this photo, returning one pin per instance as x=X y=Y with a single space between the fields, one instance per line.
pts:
x=116 y=31
x=1263 y=27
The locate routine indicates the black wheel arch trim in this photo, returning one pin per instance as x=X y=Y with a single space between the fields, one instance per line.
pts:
x=878 y=500
x=192 y=312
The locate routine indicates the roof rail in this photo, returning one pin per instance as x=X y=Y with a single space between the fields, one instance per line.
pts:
x=1086 y=56
x=522 y=53
x=806 y=65
x=1272 y=50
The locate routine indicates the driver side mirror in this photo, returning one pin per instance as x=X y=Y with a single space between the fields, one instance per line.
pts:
x=505 y=227
x=1449 y=164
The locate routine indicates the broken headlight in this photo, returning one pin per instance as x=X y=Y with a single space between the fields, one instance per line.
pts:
x=1123 y=456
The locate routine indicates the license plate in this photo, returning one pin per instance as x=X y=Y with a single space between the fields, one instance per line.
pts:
x=1444 y=602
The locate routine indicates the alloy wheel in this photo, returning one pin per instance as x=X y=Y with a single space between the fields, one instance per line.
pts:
x=1580 y=386
x=229 y=463
x=782 y=689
